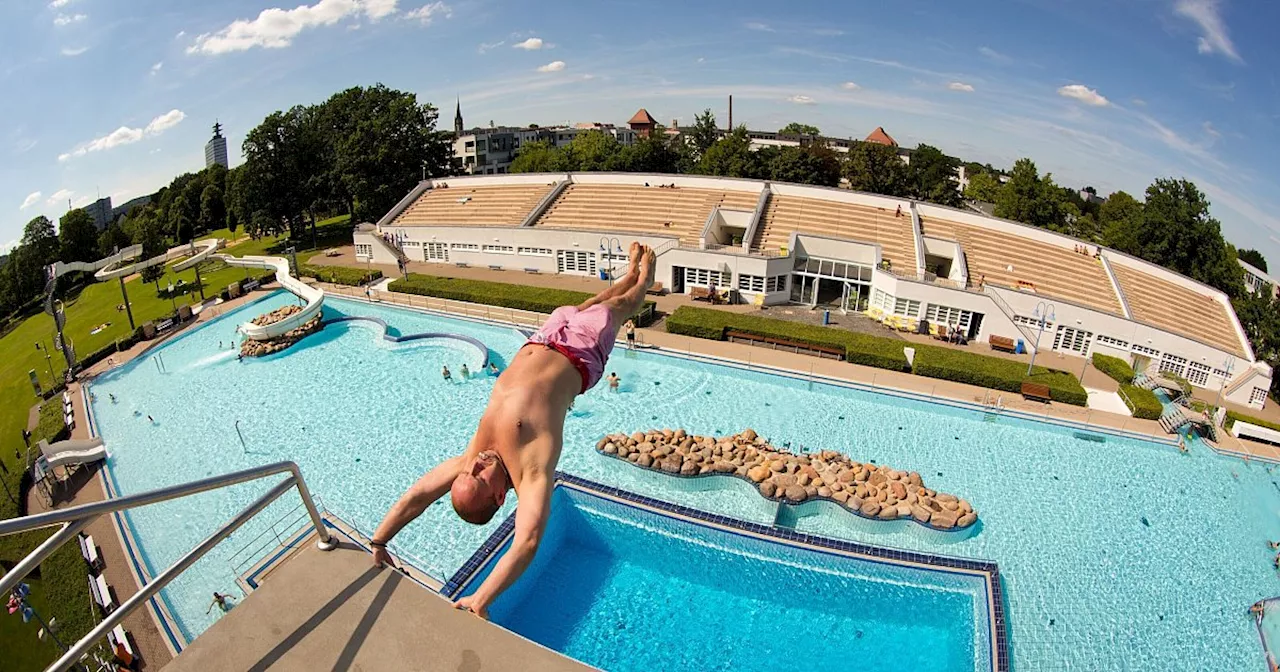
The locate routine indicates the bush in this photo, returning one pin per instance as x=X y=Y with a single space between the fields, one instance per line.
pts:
x=1118 y=369
x=109 y=350
x=995 y=372
x=881 y=353
x=340 y=275
x=1142 y=403
x=506 y=295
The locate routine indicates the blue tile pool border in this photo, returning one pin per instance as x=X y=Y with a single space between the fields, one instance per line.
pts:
x=988 y=570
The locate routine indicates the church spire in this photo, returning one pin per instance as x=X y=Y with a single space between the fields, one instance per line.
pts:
x=457 y=119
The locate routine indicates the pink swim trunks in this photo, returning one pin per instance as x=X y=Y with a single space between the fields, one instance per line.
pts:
x=584 y=337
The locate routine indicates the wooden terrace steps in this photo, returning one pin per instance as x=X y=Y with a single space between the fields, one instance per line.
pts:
x=1053 y=271
x=681 y=212
x=1175 y=308
x=503 y=205
x=784 y=214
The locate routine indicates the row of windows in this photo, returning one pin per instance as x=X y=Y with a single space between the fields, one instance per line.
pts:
x=1113 y=342
x=897 y=306
x=953 y=317
x=703 y=277
x=760 y=283
x=499 y=249
x=364 y=250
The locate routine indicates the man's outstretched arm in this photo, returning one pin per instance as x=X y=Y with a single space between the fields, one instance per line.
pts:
x=413 y=502
x=531 y=519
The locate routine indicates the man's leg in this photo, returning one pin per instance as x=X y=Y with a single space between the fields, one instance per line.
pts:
x=626 y=303
x=622 y=286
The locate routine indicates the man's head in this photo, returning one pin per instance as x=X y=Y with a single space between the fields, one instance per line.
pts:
x=480 y=488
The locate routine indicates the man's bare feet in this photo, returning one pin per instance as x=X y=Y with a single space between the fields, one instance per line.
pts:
x=634 y=254
x=649 y=268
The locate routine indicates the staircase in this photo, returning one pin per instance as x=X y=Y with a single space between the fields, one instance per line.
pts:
x=1145 y=382
x=1008 y=312
x=1173 y=420
x=395 y=250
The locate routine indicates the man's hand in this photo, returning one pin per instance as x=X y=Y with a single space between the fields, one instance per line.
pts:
x=381 y=558
x=471 y=604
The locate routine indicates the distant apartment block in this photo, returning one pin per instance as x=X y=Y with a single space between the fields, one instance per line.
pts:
x=490 y=151
x=215 y=151
x=100 y=211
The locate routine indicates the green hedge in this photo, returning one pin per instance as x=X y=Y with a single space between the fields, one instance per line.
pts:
x=708 y=323
x=340 y=275
x=996 y=373
x=1232 y=417
x=506 y=295
x=1118 y=369
x=1142 y=403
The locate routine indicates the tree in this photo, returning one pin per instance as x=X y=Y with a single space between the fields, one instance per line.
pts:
x=807 y=164
x=592 y=151
x=1178 y=233
x=77 y=236
x=213 y=209
x=730 y=156
x=933 y=176
x=1254 y=258
x=181 y=225
x=652 y=154
x=40 y=241
x=877 y=169
x=1121 y=218
x=281 y=166
x=983 y=187
x=538 y=156
x=111 y=239
x=1030 y=199
x=704 y=132
x=797 y=128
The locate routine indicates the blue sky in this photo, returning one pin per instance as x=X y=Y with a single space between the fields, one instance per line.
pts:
x=117 y=97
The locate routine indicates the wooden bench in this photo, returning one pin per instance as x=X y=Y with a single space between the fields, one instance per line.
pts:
x=461 y=264
x=101 y=593
x=89 y=551
x=249 y=285
x=794 y=346
x=1003 y=343
x=657 y=289
x=1036 y=392
x=533 y=271
x=699 y=294
x=495 y=267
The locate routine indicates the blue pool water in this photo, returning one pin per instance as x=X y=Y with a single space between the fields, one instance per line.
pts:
x=1115 y=555
x=628 y=590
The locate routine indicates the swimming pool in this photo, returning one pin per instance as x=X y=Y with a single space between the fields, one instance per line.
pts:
x=628 y=589
x=1115 y=555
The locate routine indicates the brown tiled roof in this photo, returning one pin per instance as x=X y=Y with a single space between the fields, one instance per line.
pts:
x=879 y=136
x=642 y=116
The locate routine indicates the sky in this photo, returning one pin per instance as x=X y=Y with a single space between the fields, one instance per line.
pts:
x=117 y=97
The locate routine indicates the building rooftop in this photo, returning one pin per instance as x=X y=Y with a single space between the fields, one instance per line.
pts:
x=642 y=116
x=879 y=136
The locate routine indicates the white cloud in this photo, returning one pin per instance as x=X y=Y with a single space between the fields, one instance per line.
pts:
x=127 y=136
x=68 y=19
x=802 y=100
x=850 y=86
x=486 y=46
x=156 y=68
x=994 y=55
x=1213 y=38
x=74 y=51
x=531 y=44
x=31 y=199
x=424 y=14
x=1084 y=94
x=553 y=66
x=1210 y=131
x=960 y=86
x=181 y=34
x=275 y=28
x=59 y=3
x=828 y=32
x=60 y=196
x=1138 y=101
x=756 y=25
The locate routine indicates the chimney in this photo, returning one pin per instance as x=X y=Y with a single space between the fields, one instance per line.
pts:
x=731 y=113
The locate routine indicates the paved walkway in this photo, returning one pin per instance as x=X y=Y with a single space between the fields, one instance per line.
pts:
x=334 y=611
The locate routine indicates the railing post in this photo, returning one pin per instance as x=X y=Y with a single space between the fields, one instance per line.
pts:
x=44 y=550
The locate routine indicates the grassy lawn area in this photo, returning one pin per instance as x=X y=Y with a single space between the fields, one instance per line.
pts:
x=62 y=580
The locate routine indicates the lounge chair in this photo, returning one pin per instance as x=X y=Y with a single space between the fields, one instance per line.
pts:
x=101 y=593
x=89 y=551
x=119 y=640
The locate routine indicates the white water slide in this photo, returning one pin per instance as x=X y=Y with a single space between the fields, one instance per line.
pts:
x=314 y=297
x=75 y=451
x=196 y=252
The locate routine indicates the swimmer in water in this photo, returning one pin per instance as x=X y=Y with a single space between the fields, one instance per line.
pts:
x=151 y=420
x=113 y=397
x=493 y=369
x=466 y=373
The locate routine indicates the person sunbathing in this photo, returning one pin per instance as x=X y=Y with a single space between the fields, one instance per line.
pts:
x=518 y=441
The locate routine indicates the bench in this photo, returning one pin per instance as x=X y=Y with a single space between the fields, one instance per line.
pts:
x=1036 y=392
x=794 y=346
x=164 y=326
x=118 y=637
x=461 y=264
x=101 y=593
x=1003 y=343
x=532 y=271
x=657 y=289
x=699 y=294
x=250 y=285
x=89 y=551
x=495 y=267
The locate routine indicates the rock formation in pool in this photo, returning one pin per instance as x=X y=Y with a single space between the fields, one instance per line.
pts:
x=252 y=348
x=869 y=490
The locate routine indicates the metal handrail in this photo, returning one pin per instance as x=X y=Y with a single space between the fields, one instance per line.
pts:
x=76 y=518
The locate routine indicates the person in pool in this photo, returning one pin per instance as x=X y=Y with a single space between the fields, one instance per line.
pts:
x=493 y=369
x=614 y=381
x=518 y=441
x=466 y=373
x=444 y=372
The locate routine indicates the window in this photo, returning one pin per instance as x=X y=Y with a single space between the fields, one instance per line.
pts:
x=949 y=316
x=1033 y=322
x=575 y=261
x=777 y=283
x=465 y=247
x=1198 y=374
x=411 y=243
x=1113 y=342
x=906 y=307
x=499 y=249
x=1173 y=364
x=1072 y=340
x=364 y=250
x=882 y=301
x=703 y=277
x=1144 y=350
x=751 y=283
x=1258 y=397
x=1220 y=373
x=435 y=252
x=535 y=251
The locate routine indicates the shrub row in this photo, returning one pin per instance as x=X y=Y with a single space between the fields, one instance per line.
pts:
x=340 y=275
x=108 y=350
x=506 y=295
x=1142 y=403
x=995 y=373
x=1118 y=369
x=708 y=323
x=884 y=353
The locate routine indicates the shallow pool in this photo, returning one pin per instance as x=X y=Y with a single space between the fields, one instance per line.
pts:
x=1119 y=554
x=630 y=590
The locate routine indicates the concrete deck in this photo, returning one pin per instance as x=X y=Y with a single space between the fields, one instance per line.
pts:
x=335 y=611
